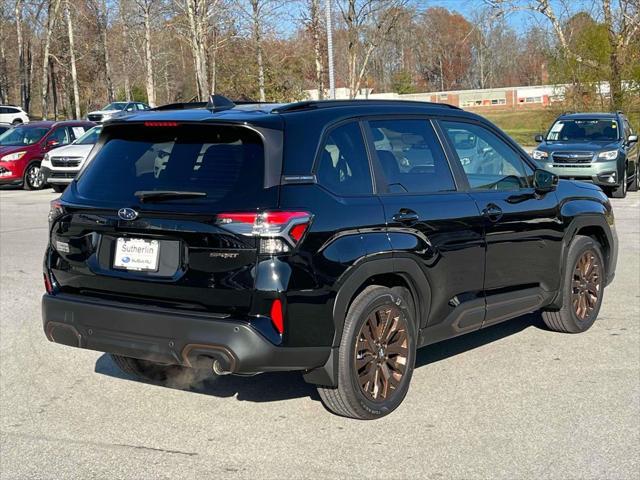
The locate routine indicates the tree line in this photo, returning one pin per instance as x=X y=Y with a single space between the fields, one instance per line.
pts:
x=62 y=58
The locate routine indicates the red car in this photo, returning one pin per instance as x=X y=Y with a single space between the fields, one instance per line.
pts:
x=22 y=149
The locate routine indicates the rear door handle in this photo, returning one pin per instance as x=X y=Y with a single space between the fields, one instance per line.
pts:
x=493 y=212
x=406 y=215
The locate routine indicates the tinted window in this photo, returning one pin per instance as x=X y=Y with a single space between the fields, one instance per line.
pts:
x=59 y=135
x=226 y=163
x=22 y=135
x=411 y=157
x=343 y=166
x=90 y=137
x=594 y=130
x=487 y=160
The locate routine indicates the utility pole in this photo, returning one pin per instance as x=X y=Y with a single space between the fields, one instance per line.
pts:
x=332 y=80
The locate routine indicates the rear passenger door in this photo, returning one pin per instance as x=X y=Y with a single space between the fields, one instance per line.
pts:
x=430 y=221
x=523 y=229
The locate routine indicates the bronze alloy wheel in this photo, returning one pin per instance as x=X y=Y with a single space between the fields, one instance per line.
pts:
x=586 y=285
x=381 y=353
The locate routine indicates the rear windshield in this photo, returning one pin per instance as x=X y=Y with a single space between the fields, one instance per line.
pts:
x=224 y=162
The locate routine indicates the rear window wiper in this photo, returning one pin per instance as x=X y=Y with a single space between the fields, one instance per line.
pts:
x=161 y=195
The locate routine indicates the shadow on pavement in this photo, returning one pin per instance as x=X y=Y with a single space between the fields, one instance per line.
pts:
x=270 y=387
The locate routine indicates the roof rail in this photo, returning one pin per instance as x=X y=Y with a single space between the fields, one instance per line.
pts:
x=313 y=104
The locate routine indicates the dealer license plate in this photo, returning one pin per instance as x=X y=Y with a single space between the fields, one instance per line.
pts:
x=137 y=254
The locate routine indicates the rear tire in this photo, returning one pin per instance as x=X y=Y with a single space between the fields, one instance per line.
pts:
x=582 y=288
x=376 y=356
x=17 y=121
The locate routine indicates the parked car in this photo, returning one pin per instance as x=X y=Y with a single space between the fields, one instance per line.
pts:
x=333 y=237
x=23 y=147
x=13 y=115
x=4 y=127
x=116 y=109
x=60 y=166
x=600 y=148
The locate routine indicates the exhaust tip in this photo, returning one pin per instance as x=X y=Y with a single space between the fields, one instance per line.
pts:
x=218 y=369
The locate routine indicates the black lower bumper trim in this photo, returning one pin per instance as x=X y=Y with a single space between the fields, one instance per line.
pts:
x=169 y=337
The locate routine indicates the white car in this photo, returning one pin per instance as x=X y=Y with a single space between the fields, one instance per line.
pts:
x=13 y=115
x=60 y=166
x=116 y=109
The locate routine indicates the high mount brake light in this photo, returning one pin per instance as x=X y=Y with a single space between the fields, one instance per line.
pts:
x=278 y=231
x=160 y=124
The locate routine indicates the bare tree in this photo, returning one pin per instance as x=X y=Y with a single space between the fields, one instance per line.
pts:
x=125 y=48
x=314 y=25
x=260 y=15
x=368 y=24
x=53 y=7
x=101 y=12
x=146 y=8
x=622 y=23
x=201 y=33
x=4 y=78
x=72 y=59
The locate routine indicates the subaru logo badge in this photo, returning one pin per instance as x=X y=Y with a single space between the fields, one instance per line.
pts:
x=127 y=214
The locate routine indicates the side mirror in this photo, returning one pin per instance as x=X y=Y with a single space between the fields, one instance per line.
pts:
x=544 y=181
x=539 y=138
x=51 y=144
x=632 y=139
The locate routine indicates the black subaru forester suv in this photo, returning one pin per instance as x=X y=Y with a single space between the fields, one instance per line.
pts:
x=334 y=238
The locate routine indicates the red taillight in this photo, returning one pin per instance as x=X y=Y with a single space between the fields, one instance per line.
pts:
x=279 y=230
x=297 y=231
x=160 y=124
x=47 y=284
x=276 y=316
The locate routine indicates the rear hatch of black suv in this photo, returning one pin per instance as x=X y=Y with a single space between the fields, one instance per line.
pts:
x=148 y=220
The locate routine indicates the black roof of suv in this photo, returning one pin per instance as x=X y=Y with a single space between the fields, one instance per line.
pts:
x=334 y=238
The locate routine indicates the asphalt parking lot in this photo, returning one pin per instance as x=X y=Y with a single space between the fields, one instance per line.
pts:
x=512 y=401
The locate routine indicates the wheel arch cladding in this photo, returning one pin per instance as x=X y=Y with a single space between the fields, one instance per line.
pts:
x=388 y=272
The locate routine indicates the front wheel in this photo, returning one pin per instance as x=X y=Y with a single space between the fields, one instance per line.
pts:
x=633 y=186
x=376 y=357
x=621 y=190
x=582 y=289
x=33 y=178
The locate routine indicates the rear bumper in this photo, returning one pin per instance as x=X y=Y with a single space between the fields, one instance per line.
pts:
x=168 y=337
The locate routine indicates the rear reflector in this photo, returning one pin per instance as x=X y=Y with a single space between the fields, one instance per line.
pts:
x=47 y=284
x=276 y=316
x=160 y=124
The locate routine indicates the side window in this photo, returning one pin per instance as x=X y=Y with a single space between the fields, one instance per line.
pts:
x=488 y=161
x=60 y=135
x=411 y=156
x=141 y=106
x=343 y=166
x=130 y=107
